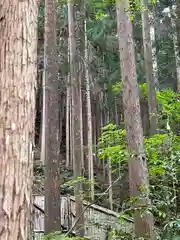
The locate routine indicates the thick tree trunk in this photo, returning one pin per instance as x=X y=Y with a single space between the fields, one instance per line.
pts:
x=52 y=135
x=18 y=71
x=138 y=176
x=152 y=103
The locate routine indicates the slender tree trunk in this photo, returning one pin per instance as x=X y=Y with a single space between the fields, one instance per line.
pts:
x=85 y=130
x=71 y=133
x=109 y=172
x=138 y=176
x=102 y=122
x=98 y=123
x=98 y=117
x=52 y=135
x=173 y=17
x=18 y=71
x=68 y=124
x=44 y=122
x=76 y=118
x=152 y=103
x=80 y=51
x=94 y=133
x=38 y=110
x=89 y=121
x=177 y=14
x=116 y=113
x=81 y=122
x=153 y=22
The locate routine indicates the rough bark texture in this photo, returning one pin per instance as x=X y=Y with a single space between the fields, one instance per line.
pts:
x=76 y=120
x=138 y=176
x=18 y=70
x=152 y=103
x=52 y=135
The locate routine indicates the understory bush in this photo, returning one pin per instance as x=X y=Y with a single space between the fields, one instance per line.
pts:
x=163 y=161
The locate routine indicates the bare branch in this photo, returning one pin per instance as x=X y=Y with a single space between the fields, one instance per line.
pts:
x=90 y=204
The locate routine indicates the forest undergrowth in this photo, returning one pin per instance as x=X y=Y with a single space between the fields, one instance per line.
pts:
x=163 y=160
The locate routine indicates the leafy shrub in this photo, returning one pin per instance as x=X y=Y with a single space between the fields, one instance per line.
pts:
x=163 y=154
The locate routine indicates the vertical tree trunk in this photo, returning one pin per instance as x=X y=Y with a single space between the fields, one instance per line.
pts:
x=52 y=136
x=153 y=23
x=177 y=14
x=89 y=121
x=109 y=169
x=68 y=98
x=152 y=103
x=68 y=115
x=71 y=134
x=138 y=176
x=116 y=113
x=44 y=120
x=18 y=71
x=94 y=129
x=172 y=15
x=81 y=121
x=76 y=115
x=80 y=43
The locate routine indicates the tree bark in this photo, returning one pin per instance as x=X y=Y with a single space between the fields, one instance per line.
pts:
x=76 y=120
x=153 y=29
x=173 y=17
x=52 y=135
x=152 y=103
x=18 y=71
x=68 y=98
x=109 y=172
x=138 y=176
x=89 y=121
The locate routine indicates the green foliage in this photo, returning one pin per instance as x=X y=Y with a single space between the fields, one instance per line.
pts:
x=41 y=22
x=55 y=236
x=163 y=154
x=143 y=88
x=117 y=87
x=59 y=236
x=112 y=145
x=170 y=104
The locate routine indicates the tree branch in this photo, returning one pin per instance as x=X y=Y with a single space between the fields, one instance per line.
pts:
x=89 y=205
x=38 y=208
